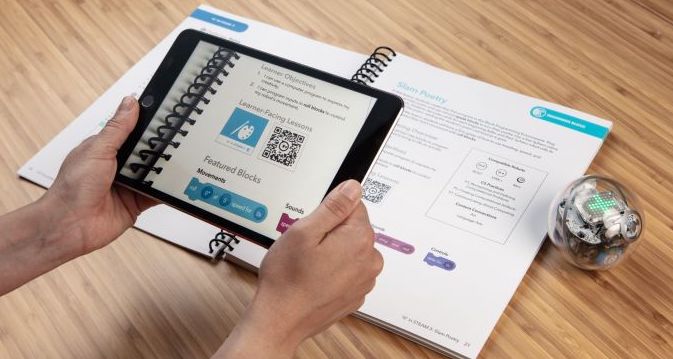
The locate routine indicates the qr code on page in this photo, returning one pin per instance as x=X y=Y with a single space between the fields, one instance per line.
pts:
x=283 y=147
x=374 y=191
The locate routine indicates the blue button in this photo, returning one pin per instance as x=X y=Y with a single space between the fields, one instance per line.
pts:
x=260 y=213
x=229 y=201
x=225 y=200
x=206 y=192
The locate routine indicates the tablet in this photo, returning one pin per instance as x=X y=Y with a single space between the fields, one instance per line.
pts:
x=248 y=141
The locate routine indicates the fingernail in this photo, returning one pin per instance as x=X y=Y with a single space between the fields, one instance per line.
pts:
x=352 y=190
x=127 y=103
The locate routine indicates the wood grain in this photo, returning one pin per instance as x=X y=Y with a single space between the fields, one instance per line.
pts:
x=141 y=297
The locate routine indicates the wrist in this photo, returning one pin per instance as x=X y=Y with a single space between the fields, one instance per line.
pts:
x=58 y=230
x=269 y=319
x=261 y=333
x=33 y=242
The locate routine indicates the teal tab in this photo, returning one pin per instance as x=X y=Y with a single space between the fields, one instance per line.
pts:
x=570 y=122
x=218 y=20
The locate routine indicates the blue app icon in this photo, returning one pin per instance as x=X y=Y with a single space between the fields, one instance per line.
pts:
x=244 y=127
x=260 y=213
x=206 y=192
x=225 y=200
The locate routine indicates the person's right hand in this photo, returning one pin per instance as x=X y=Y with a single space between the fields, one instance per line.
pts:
x=318 y=272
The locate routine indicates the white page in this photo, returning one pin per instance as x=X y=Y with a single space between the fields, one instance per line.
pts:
x=468 y=175
x=162 y=221
x=453 y=305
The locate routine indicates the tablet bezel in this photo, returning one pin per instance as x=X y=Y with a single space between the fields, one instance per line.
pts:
x=356 y=164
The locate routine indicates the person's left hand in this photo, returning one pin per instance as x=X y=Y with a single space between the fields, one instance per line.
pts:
x=93 y=211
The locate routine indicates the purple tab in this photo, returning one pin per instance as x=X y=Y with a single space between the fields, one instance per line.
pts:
x=395 y=244
x=438 y=261
x=285 y=222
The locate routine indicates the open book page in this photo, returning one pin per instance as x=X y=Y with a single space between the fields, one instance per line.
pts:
x=459 y=199
x=183 y=229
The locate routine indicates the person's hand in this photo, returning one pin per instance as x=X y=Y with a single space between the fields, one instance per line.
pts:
x=82 y=211
x=88 y=206
x=318 y=272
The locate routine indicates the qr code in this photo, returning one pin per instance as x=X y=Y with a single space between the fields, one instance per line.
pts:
x=374 y=191
x=283 y=147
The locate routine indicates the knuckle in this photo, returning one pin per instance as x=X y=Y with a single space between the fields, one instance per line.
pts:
x=87 y=142
x=356 y=304
x=370 y=235
x=297 y=231
x=365 y=235
x=371 y=285
x=73 y=156
x=377 y=262
x=115 y=123
x=338 y=205
x=297 y=228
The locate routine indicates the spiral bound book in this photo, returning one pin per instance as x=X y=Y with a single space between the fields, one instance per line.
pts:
x=457 y=198
x=202 y=75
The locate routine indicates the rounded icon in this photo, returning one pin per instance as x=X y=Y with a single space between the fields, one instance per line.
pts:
x=206 y=192
x=521 y=180
x=245 y=132
x=147 y=101
x=284 y=146
x=373 y=191
x=482 y=165
x=448 y=265
x=501 y=173
x=225 y=200
x=260 y=213
x=538 y=112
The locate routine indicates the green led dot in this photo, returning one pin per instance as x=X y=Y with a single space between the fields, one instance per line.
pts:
x=600 y=204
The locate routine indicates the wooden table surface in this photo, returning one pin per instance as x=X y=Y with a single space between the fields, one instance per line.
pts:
x=142 y=297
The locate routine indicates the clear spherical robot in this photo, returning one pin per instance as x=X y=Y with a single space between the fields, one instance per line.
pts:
x=595 y=222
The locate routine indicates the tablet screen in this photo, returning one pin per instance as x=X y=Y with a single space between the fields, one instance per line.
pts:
x=265 y=143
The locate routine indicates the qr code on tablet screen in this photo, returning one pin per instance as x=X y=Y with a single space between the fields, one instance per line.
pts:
x=283 y=147
x=374 y=191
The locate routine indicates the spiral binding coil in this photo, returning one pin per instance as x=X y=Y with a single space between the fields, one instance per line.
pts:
x=193 y=100
x=226 y=240
x=374 y=65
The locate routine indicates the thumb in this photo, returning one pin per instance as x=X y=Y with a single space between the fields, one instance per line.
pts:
x=334 y=209
x=121 y=124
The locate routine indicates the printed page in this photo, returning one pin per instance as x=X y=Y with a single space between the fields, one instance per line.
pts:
x=459 y=198
x=191 y=233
